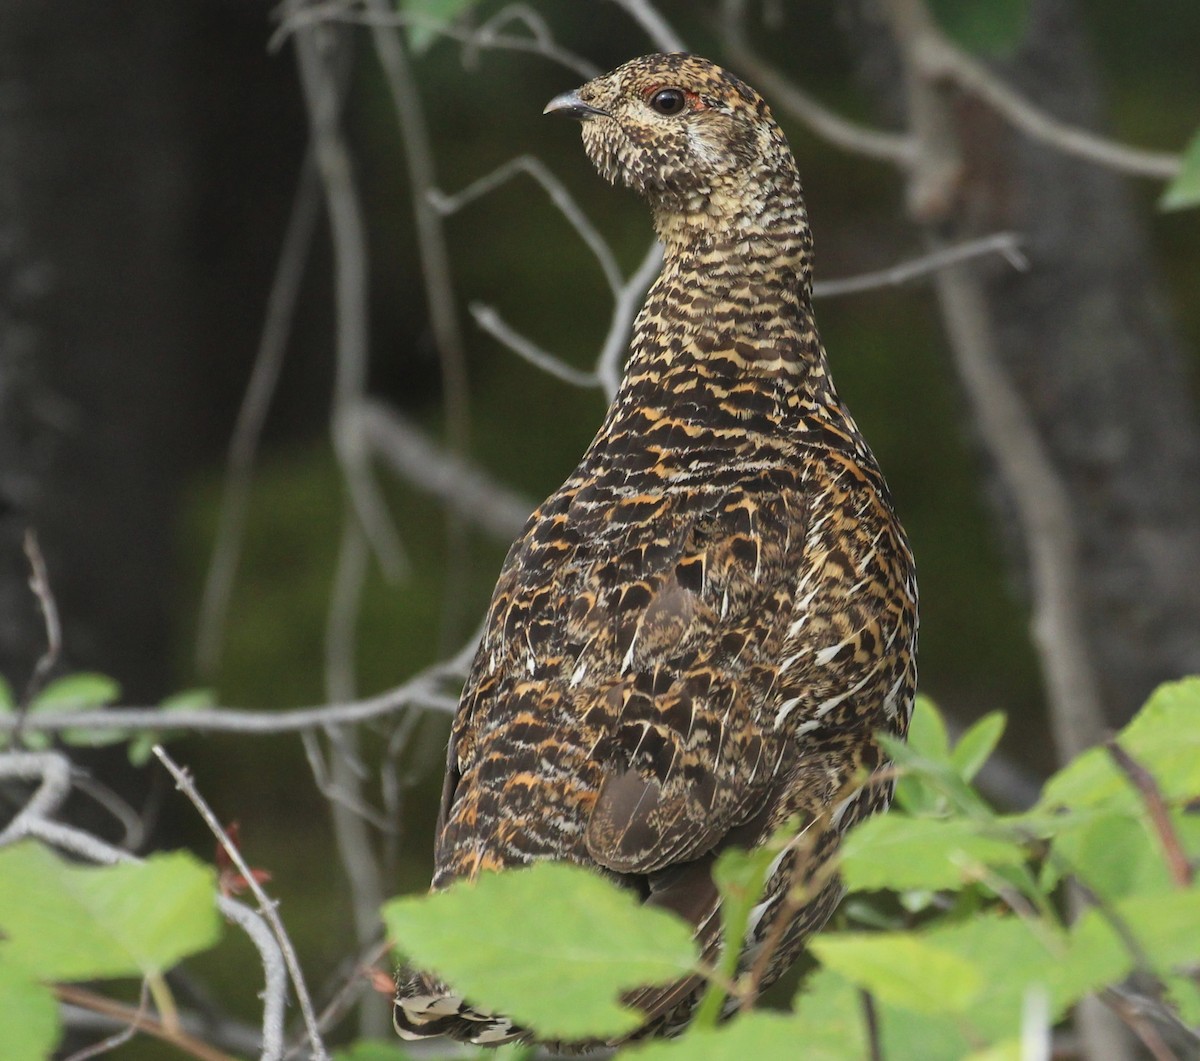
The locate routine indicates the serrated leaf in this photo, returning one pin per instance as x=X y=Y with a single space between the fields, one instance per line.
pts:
x=902 y=968
x=1184 y=189
x=1163 y=737
x=992 y=28
x=421 y=31
x=897 y=852
x=551 y=946
x=67 y=922
x=975 y=746
x=29 y=1026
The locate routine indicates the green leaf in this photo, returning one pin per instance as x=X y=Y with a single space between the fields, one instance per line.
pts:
x=740 y=877
x=8 y=702
x=765 y=1035
x=927 y=731
x=77 y=692
x=940 y=777
x=29 y=1026
x=897 y=852
x=990 y=28
x=67 y=922
x=1164 y=738
x=902 y=968
x=551 y=946
x=1114 y=855
x=421 y=33
x=1184 y=189
x=85 y=691
x=977 y=744
x=1009 y=1050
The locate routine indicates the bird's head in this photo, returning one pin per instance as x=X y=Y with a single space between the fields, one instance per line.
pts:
x=688 y=136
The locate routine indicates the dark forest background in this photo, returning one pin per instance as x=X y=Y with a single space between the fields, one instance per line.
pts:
x=150 y=156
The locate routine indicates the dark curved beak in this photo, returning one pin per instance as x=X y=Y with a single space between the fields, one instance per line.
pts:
x=571 y=106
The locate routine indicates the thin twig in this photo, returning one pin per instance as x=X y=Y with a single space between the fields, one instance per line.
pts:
x=788 y=97
x=491 y=322
x=1006 y=244
x=559 y=196
x=871 y=1021
x=540 y=42
x=657 y=28
x=938 y=57
x=267 y=906
x=350 y=828
x=252 y=415
x=629 y=301
x=420 y=691
x=1180 y=868
x=274 y=966
x=119 y=1038
x=1143 y=1029
x=132 y=825
x=431 y=237
x=39 y=583
x=316 y=53
x=143 y=1022
x=473 y=38
x=413 y=456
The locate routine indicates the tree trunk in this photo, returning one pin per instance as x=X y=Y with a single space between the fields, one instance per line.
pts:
x=1086 y=339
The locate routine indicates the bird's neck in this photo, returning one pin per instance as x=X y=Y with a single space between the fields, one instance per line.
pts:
x=732 y=303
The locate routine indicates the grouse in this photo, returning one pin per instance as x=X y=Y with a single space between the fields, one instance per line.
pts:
x=697 y=637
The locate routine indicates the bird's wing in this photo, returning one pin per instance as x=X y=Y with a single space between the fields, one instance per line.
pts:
x=677 y=680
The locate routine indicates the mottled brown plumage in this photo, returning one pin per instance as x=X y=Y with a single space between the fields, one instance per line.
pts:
x=697 y=635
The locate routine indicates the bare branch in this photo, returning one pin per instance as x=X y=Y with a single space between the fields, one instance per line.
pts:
x=937 y=57
x=316 y=53
x=53 y=772
x=140 y=1021
x=274 y=970
x=39 y=583
x=541 y=41
x=431 y=237
x=267 y=907
x=421 y=691
x=787 y=96
x=350 y=828
x=491 y=322
x=657 y=28
x=559 y=196
x=1006 y=244
x=467 y=489
x=473 y=38
x=119 y=1038
x=243 y=446
x=629 y=301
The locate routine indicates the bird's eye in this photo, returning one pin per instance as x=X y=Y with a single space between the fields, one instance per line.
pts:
x=668 y=101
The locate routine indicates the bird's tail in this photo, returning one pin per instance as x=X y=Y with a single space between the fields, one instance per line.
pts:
x=426 y=1007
